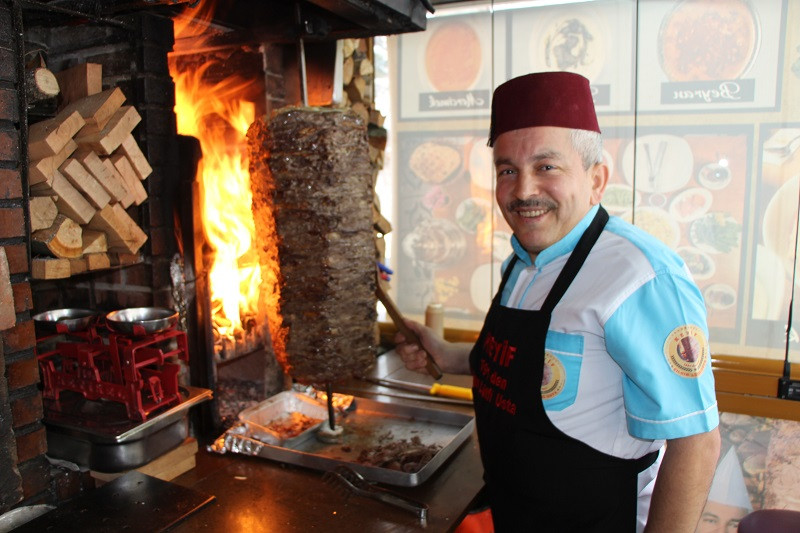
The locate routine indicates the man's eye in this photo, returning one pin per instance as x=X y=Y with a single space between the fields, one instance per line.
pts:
x=547 y=167
x=506 y=172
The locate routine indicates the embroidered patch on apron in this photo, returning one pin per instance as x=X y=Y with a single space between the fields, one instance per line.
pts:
x=686 y=350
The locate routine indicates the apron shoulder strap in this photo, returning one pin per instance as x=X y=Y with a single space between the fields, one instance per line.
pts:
x=576 y=259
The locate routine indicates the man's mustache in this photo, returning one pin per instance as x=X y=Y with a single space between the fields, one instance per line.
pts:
x=531 y=204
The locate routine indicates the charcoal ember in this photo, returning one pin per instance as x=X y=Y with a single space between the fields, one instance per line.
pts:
x=311 y=181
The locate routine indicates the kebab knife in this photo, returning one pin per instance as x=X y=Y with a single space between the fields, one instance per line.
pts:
x=397 y=318
x=437 y=389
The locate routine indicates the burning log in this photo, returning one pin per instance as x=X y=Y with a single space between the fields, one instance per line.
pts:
x=87 y=158
x=312 y=205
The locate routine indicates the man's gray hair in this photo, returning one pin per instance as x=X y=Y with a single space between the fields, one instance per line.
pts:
x=589 y=144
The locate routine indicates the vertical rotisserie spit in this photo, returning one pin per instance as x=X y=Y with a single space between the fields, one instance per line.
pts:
x=312 y=204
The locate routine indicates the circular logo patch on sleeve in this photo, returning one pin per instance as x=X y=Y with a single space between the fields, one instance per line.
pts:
x=553 y=377
x=686 y=350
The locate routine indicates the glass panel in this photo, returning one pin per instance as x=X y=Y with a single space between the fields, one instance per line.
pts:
x=700 y=131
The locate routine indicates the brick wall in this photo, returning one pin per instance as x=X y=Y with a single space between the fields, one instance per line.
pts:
x=24 y=470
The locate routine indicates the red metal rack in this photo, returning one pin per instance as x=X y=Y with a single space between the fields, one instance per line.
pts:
x=137 y=370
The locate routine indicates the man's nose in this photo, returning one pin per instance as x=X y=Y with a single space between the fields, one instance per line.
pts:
x=527 y=186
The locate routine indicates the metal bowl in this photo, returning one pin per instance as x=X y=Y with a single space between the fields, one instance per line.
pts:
x=64 y=320
x=142 y=320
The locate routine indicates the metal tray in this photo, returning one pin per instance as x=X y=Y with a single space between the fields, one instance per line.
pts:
x=363 y=428
x=98 y=434
x=258 y=417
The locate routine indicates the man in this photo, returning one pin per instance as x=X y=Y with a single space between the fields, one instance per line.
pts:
x=594 y=351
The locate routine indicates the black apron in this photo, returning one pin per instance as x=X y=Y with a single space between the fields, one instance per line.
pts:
x=537 y=477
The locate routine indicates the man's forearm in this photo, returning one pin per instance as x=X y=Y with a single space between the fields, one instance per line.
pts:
x=683 y=483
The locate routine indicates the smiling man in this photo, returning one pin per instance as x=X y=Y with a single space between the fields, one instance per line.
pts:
x=604 y=419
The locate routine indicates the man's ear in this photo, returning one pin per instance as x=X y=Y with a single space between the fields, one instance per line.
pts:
x=599 y=177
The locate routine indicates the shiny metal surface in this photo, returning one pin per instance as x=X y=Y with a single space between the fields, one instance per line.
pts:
x=142 y=320
x=70 y=320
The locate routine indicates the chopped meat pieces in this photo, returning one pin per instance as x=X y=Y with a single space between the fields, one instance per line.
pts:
x=405 y=455
x=292 y=424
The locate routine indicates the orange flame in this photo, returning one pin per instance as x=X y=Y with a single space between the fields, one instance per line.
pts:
x=218 y=116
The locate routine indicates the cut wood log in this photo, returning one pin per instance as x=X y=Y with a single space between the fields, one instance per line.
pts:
x=138 y=161
x=62 y=239
x=356 y=90
x=347 y=71
x=97 y=109
x=43 y=212
x=120 y=259
x=109 y=180
x=380 y=223
x=80 y=81
x=122 y=233
x=94 y=241
x=129 y=197
x=77 y=265
x=97 y=261
x=348 y=47
x=40 y=84
x=121 y=124
x=42 y=170
x=84 y=182
x=365 y=67
x=8 y=315
x=49 y=137
x=70 y=202
x=49 y=268
x=132 y=183
x=361 y=109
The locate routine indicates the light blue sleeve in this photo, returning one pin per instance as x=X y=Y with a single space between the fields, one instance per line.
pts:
x=659 y=337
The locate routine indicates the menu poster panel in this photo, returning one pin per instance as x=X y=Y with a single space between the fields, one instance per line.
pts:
x=446 y=71
x=594 y=39
x=701 y=55
x=453 y=239
x=685 y=186
x=775 y=238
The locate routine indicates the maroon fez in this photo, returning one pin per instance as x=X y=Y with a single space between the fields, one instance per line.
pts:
x=562 y=99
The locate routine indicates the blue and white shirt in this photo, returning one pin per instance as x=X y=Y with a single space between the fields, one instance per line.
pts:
x=627 y=360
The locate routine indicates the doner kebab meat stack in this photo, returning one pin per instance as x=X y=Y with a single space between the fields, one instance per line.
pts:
x=312 y=204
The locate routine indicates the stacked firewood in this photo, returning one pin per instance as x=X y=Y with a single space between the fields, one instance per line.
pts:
x=358 y=76
x=85 y=169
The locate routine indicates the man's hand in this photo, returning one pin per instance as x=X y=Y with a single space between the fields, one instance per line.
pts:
x=683 y=482
x=451 y=357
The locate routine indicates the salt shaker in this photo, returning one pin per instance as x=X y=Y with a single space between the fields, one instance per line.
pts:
x=434 y=319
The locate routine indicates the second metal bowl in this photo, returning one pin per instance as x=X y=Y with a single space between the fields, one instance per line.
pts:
x=142 y=320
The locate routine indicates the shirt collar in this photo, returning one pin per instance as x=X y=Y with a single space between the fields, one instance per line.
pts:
x=557 y=249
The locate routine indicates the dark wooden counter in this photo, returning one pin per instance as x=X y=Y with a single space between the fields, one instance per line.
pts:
x=256 y=494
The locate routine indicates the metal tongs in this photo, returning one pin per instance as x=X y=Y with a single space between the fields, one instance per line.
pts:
x=359 y=485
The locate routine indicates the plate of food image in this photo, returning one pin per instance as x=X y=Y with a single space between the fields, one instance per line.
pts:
x=708 y=40
x=620 y=198
x=690 y=204
x=716 y=233
x=481 y=164
x=779 y=226
x=714 y=176
x=699 y=263
x=719 y=296
x=472 y=213
x=658 y=223
x=658 y=163
x=453 y=56
x=572 y=43
x=434 y=162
